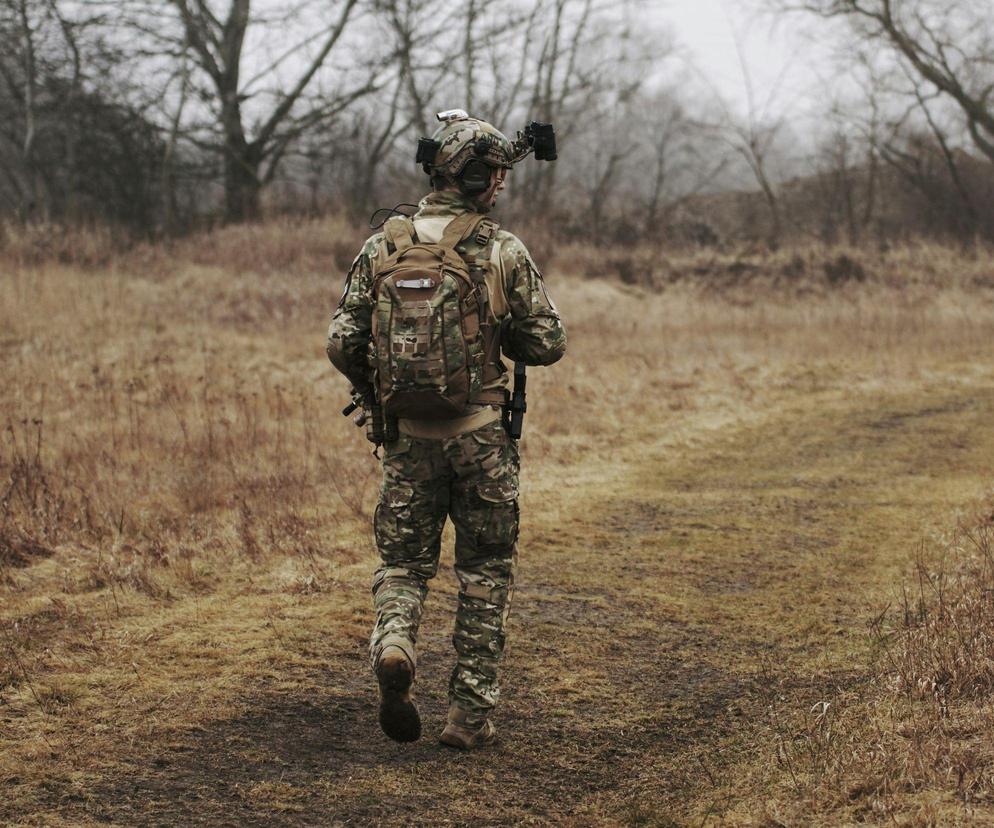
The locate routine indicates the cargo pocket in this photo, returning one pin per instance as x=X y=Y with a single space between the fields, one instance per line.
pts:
x=497 y=491
x=393 y=520
x=498 y=527
x=490 y=449
x=492 y=434
x=497 y=595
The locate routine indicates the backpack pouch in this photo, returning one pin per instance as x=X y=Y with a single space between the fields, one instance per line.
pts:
x=428 y=351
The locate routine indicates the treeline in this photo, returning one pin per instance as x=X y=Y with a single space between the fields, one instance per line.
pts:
x=161 y=115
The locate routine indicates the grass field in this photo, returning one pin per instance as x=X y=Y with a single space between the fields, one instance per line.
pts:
x=754 y=572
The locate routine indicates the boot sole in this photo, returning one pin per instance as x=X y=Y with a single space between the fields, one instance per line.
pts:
x=399 y=716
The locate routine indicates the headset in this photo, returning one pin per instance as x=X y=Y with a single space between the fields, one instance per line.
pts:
x=475 y=177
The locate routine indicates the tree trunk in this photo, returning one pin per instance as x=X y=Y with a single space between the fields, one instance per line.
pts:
x=241 y=185
x=241 y=166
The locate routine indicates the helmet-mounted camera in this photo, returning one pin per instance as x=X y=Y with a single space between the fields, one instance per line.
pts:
x=452 y=115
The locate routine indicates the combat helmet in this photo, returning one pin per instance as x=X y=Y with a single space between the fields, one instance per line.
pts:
x=465 y=150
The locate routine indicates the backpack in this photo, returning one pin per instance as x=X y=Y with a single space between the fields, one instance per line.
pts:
x=435 y=343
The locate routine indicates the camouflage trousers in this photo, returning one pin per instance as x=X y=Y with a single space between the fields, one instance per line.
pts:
x=472 y=478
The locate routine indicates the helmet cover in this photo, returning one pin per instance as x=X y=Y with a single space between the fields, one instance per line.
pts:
x=461 y=139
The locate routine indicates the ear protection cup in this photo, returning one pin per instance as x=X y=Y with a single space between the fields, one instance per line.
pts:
x=475 y=177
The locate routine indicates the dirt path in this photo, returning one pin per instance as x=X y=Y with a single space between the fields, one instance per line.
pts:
x=659 y=616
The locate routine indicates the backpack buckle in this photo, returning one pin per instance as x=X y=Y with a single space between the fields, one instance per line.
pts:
x=485 y=232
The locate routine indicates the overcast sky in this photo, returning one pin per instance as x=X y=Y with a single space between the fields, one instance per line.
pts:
x=782 y=61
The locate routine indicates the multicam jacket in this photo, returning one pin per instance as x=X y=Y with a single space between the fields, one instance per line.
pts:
x=530 y=328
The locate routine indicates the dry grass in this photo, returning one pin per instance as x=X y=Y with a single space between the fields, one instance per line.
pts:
x=811 y=268
x=911 y=741
x=184 y=513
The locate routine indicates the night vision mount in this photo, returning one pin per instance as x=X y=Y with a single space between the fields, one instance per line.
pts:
x=536 y=137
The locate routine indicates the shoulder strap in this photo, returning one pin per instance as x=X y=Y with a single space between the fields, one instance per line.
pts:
x=460 y=228
x=399 y=232
x=481 y=274
x=496 y=281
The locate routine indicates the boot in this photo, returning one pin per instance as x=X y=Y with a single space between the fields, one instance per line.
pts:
x=399 y=716
x=460 y=734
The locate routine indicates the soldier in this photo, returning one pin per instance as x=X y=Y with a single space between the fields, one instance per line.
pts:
x=449 y=453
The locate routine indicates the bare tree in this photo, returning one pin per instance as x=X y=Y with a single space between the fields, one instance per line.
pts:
x=557 y=77
x=23 y=25
x=426 y=37
x=182 y=78
x=948 y=45
x=677 y=160
x=252 y=145
x=847 y=158
x=925 y=148
x=413 y=25
x=377 y=138
x=753 y=134
x=70 y=143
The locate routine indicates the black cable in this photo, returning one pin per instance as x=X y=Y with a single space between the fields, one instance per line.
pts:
x=390 y=211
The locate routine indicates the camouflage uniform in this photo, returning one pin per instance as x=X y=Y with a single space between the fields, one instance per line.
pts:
x=466 y=469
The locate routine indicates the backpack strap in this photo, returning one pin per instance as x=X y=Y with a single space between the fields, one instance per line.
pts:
x=461 y=227
x=483 y=231
x=497 y=282
x=399 y=232
x=485 y=239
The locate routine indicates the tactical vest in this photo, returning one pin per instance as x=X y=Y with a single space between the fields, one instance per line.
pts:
x=436 y=341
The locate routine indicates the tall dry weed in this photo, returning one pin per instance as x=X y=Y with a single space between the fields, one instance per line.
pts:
x=75 y=245
x=279 y=247
x=920 y=721
x=944 y=650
